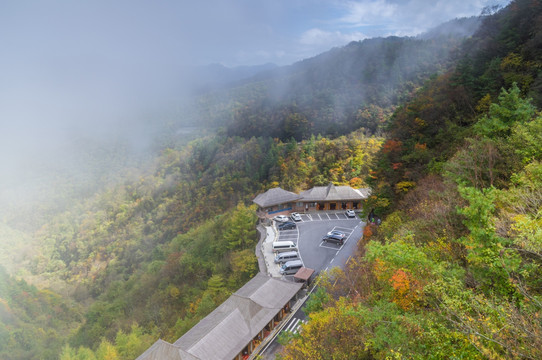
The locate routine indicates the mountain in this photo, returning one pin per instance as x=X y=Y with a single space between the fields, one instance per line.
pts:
x=213 y=76
x=453 y=271
x=149 y=253
x=336 y=92
x=462 y=27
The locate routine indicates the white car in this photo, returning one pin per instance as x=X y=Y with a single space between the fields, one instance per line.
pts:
x=350 y=213
x=295 y=216
x=281 y=218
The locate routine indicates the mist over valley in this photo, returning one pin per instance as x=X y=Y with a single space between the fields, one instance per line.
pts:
x=134 y=138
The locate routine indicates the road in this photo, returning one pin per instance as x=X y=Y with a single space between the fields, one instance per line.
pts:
x=317 y=255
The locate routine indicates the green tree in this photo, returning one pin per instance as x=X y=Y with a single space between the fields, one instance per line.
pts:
x=510 y=110
x=486 y=255
x=244 y=266
x=240 y=228
x=526 y=139
x=131 y=345
x=106 y=351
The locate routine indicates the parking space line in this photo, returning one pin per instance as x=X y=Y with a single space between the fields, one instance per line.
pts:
x=288 y=239
x=328 y=247
x=292 y=325
x=343 y=229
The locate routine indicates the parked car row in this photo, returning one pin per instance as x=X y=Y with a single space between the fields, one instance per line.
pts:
x=297 y=217
x=287 y=257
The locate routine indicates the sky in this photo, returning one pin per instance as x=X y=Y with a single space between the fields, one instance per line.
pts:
x=84 y=66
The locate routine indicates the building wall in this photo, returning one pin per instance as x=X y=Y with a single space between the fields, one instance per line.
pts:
x=327 y=205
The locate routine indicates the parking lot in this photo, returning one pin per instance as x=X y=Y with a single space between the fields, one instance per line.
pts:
x=308 y=234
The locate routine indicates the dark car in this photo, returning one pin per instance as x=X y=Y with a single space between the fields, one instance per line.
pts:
x=337 y=239
x=337 y=233
x=287 y=225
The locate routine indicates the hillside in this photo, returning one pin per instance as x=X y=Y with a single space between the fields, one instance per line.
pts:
x=454 y=269
x=148 y=251
x=336 y=92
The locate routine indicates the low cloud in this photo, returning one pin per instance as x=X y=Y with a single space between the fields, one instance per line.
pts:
x=368 y=12
x=318 y=37
x=410 y=17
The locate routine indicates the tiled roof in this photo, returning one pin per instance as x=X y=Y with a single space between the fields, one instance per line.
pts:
x=275 y=196
x=333 y=193
x=229 y=328
x=162 y=350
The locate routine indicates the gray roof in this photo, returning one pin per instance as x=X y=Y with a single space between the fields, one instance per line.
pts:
x=229 y=328
x=162 y=350
x=333 y=193
x=275 y=196
x=365 y=192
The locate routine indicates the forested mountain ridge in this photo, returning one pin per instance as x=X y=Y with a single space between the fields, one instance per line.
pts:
x=150 y=255
x=454 y=269
x=336 y=92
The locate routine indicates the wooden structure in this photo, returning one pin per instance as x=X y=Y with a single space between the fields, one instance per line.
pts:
x=328 y=197
x=236 y=327
x=304 y=275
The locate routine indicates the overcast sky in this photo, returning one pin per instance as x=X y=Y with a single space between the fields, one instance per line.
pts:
x=65 y=63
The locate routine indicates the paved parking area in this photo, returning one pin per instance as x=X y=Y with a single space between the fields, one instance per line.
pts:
x=323 y=216
x=333 y=246
x=308 y=235
x=289 y=235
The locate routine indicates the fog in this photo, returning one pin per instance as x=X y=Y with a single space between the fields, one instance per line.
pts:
x=97 y=72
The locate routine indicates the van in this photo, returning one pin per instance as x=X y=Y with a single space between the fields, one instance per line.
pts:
x=286 y=256
x=281 y=246
x=291 y=267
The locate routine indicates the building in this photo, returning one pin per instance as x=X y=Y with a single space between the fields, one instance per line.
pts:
x=332 y=197
x=276 y=200
x=235 y=328
x=328 y=197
